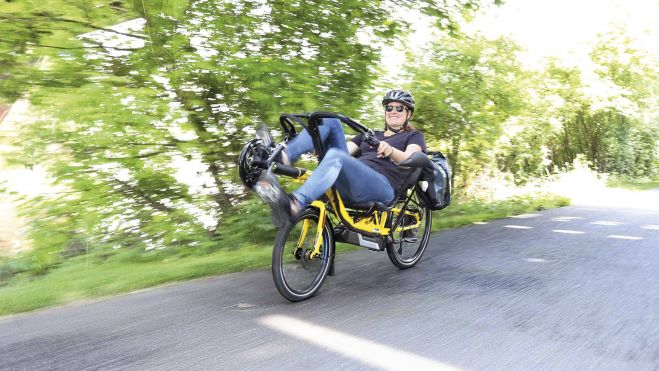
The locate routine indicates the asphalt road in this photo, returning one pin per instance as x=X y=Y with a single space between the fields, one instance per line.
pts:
x=566 y=289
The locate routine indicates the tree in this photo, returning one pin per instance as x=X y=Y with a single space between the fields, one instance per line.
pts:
x=609 y=117
x=466 y=91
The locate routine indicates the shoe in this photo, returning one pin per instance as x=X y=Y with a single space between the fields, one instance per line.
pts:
x=268 y=188
x=262 y=132
x=410 y=235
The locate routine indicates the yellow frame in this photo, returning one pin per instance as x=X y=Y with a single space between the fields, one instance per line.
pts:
x=374 y=224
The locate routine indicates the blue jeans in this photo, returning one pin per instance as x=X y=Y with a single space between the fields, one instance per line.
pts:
x=356 y=182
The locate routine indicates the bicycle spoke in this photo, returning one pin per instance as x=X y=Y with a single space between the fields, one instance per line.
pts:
x=411 y=237
x=297 y=272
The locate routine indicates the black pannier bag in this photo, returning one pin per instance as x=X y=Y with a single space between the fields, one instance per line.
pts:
x=434 y=186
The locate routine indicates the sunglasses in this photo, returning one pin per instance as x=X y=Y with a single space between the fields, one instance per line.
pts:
x=390 y=108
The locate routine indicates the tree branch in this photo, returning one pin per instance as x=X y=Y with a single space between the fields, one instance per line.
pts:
x=98 y=45
x=67 y=20
x=130 y=190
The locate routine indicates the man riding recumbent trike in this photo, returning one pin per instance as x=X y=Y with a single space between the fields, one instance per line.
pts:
x=365 y=192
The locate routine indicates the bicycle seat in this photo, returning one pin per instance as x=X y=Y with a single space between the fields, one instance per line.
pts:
x=378 y=206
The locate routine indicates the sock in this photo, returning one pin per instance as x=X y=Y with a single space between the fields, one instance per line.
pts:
x=284 y=158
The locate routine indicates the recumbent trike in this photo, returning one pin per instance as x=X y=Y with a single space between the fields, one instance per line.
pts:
x=303 y=254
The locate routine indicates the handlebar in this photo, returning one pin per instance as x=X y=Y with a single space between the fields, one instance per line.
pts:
x=314 y=119
x=371 y=139
x=291 y=171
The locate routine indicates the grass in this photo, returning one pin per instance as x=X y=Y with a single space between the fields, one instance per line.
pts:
x=632 y=184
x=79 y=278
x=91 y=276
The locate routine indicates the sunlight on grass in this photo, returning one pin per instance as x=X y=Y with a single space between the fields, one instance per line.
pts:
x=77 y=279
x=588 y=188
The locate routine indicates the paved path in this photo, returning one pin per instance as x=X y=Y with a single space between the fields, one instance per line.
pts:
x=572 y=288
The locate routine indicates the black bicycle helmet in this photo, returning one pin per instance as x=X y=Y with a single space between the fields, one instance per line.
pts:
x=400 y=96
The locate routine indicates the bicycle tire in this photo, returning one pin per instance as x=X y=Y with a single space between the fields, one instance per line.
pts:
x=398 y=247
x=297 y=275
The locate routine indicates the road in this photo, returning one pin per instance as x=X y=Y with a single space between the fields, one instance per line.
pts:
x=572 y=288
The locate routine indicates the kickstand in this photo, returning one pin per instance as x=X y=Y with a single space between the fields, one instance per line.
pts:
x=331 y=268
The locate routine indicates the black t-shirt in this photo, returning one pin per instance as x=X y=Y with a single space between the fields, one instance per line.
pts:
x=396 y=175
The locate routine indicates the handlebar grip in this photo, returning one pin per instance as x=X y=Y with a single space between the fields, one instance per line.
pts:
x=292 y=171
x=370 y=138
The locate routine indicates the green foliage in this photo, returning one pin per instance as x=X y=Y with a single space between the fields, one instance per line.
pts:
x=524 y=154
x=36 y=32
x=613 y=119
x=249 y=224
x=466 y=90
x=142 y=141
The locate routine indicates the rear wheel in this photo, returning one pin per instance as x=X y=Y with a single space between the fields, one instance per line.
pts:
x=407 y=246
x=297 y=270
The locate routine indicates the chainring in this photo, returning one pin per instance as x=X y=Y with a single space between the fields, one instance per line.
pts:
x=250 y=161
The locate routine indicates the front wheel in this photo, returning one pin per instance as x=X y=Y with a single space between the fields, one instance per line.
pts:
x=407 y=246
x=297 y=268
